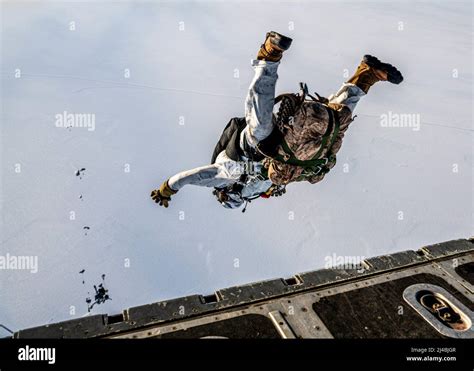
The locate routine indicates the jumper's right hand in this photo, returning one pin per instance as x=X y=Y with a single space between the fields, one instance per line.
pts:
x=162 y=196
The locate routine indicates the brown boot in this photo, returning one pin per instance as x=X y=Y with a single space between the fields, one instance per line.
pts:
x=372 y=70
x=273 y=47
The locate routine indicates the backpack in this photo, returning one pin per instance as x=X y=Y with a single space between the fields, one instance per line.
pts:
x=290 y=105
x=297 y=121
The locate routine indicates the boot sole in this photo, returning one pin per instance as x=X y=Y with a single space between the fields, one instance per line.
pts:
x=393 y=75
x=279 y=40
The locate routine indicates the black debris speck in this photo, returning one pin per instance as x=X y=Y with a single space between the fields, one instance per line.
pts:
x=80 y=172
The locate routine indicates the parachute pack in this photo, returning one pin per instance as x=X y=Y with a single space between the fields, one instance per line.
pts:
x=275 y=147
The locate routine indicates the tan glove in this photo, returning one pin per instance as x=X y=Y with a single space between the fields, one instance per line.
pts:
x=162 y=196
